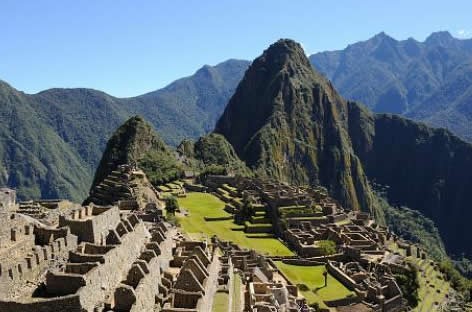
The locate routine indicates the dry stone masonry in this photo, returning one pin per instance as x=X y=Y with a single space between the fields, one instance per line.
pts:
x=118 y=253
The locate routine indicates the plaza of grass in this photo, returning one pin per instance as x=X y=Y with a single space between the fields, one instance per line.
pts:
x=312 y=279
x=201 y=205
x=196 y=206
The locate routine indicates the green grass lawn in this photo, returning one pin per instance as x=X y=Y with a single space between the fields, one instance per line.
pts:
x=312 y=276
x=220 y=302
x=200 y=205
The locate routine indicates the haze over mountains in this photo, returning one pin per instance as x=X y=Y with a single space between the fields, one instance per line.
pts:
x=430 y=81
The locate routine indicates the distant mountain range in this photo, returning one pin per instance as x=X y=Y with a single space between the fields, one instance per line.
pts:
x=51 y=142
x=429 y=81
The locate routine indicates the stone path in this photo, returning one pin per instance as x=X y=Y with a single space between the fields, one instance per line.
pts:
x=211 y=284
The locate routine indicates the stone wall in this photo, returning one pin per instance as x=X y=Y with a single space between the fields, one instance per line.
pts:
x=107 y=276
x=139 y=290
x=91 y=223
x=84 y=285
x=348 y=282
x=67 y=303
x=33 y=264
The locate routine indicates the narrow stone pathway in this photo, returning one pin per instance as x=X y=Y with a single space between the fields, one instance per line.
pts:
x=211 y=284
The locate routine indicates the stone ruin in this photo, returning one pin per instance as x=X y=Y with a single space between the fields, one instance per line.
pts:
x=117 y=253
x=191 y=281
x=127 y=187
x=304 y=216
x=374 y=285
x=264 y=288
x=92 y=258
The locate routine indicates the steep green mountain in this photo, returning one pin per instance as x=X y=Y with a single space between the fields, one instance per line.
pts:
x=136 y=142
x=189 y=107
x=426 y=169
x=214 y=149
x=427 y=81
x=83 y=118
x=211 y=154
x=287 y=122
x=34 y=158
x=54 y=139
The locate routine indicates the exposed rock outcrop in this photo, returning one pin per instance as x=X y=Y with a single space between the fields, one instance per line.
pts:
x=287 y=122
x=427 y=169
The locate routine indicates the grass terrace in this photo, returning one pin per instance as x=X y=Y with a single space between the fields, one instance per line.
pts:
x=237 y=295
x=433 y=288
x=220 y=302
x=201 y=205
x=288 y=211
x=312 y=277
x=163 y=188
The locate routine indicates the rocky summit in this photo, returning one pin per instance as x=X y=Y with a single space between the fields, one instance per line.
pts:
x=288 y=122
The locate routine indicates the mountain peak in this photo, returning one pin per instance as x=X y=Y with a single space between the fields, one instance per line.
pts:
x=439 y=38
x=283 y=51
x=287 y=45
x=284 y=121
x=128 y=144
x=382 y=35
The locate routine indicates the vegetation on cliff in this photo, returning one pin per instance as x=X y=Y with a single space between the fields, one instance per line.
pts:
x=51 y=142
x=135 y=142
x=287 y=122
x=423 y=167
x=412 y=226
x=409 y=285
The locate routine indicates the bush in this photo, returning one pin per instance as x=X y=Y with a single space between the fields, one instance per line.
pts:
x=213 y=170
x=328 y=247
x=458 y=282
x=409 y=285
x=172 y=219
x=160 y=167
x=172 y=205
x=303 y=287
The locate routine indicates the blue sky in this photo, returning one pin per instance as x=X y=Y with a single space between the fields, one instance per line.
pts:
x=127 y=48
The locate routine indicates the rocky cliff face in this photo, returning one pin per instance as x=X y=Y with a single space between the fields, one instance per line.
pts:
x=287 y=122
x=426 y=169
